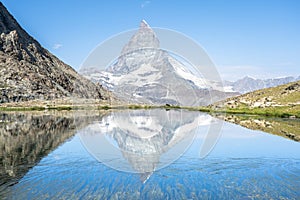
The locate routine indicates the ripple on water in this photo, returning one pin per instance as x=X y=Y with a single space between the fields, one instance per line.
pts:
x=207 y=178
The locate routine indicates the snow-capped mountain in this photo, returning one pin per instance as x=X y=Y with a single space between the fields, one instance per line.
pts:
x=144 y=73
x=249 y=84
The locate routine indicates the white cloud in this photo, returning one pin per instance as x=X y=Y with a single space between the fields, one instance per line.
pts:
x=145 y=3
x=57 y=46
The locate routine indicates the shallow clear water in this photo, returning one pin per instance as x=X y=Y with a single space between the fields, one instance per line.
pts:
x=243 y=164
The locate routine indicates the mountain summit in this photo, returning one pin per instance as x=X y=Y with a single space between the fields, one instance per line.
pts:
x=144 y=38
x=146 y=74
x=144 y=24
x=28 y=71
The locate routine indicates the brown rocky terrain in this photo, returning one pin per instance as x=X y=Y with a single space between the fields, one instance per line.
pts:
x=29 y=72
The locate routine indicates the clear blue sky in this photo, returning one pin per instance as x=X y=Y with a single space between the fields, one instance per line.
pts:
x=260 y=38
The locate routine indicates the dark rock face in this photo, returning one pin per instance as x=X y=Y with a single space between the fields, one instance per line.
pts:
x=28 y=71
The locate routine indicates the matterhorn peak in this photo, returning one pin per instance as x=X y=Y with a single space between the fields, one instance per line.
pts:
x=144 y=38
x=144 y=24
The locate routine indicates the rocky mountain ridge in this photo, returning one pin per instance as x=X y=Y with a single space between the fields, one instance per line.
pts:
x=29 y=72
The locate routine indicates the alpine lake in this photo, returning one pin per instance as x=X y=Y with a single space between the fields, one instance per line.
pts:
x=147 y=154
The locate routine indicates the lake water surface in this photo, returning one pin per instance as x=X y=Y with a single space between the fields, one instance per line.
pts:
x=142 y=154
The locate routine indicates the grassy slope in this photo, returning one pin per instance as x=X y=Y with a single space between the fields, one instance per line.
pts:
x=280 y=101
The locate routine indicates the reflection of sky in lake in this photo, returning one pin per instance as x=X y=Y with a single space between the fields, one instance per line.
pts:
x=244 y=164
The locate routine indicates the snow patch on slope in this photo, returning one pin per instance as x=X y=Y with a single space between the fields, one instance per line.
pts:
x=184 y=73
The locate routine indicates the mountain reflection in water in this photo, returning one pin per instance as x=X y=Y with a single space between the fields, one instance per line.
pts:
x=40 y=158
x=135 y=140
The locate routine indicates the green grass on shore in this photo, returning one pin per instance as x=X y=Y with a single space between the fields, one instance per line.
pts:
x=283 y=111
x=35 y=108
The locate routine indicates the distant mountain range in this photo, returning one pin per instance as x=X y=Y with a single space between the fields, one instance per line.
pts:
x=28 y=71
x=146 y=74
x=249 y=84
